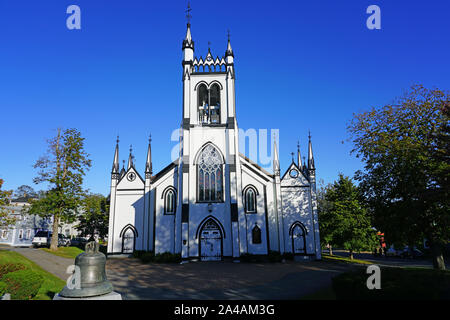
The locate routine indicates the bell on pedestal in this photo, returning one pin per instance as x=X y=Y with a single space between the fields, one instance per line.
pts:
x=92 y=277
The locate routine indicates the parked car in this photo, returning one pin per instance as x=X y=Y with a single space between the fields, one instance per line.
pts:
x=43 y=239
x=411 y=253
x=78 y=242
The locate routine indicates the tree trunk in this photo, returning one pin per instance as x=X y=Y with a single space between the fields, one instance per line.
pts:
x=54 y=242
x=351 y=254
x=330 y=250
x=438 y=258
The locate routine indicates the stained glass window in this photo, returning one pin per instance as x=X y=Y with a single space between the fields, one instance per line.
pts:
x=250 y=200
x=210 y=175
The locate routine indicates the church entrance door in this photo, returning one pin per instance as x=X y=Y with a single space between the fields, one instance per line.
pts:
x=128 y=241
x=298 y=240
x=210 y=242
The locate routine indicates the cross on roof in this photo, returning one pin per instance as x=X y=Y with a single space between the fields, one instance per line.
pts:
x=188 y=12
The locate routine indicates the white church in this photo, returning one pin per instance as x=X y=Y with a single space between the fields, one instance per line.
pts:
x=213 y=203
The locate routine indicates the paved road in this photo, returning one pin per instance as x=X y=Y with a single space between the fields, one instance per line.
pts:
x=387 y=261
x=204 y=280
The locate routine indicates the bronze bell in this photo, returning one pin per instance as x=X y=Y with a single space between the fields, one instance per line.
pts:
x=92 y=278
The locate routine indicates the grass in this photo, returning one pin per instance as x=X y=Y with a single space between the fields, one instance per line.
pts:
x=322 y=294
x=51 y=284
x=344 y=259
x=65 y=252
x=396 y=284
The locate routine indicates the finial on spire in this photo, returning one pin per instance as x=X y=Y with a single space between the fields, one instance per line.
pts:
x=117 y=139
x=148 y=163
x=228 y=32
x=292 y=154
x=299 y=157
x=188 y=13
x=130 y=158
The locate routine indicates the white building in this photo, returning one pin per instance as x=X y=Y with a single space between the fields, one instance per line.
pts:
x=213 y=202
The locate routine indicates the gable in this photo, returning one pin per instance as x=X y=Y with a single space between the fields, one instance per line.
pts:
x=131 y=180
x=299 y=181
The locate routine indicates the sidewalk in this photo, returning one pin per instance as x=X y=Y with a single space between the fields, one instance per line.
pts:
x=49 y=262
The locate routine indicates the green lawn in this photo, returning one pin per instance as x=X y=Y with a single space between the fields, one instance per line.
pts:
x=344 y=259
x=65 y=252
x=396 y=284
x=51 y=284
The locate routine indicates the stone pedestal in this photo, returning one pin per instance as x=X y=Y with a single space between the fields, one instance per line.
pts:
x=109 y=296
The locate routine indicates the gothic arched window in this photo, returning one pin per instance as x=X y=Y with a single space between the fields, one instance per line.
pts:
x=214 y=102
x=169 y=202
x=256 y=235
x=250 y=199
x=208 y=104
x=210 y=176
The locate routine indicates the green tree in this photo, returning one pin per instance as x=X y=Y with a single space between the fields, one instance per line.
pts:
x=94 y=217
x=343 y=219
x=5 y=219
x=325 y=218
x=62 y=168
x=405 y=149
x=25 y=191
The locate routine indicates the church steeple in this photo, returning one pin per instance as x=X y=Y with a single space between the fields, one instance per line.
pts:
x=148 y=164
x=130 y=159
x=229 y=51
x=310 y=155
x=299 y=157
x=276 y=161
x=188 y=42
x=115 y=167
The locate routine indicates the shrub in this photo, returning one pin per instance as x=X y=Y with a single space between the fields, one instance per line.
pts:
x=150 y=256
x=167 y=257
x=248 y=257
x=138 y=253
x=10 y=267
x=274 y=256
x=22 y=284
x=288 y=256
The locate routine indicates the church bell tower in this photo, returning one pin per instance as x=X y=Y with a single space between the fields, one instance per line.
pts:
x=208 y=147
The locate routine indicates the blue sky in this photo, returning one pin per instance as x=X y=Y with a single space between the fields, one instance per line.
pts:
x=300 y=65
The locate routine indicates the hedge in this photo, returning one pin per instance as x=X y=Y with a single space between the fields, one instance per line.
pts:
x=150 y=256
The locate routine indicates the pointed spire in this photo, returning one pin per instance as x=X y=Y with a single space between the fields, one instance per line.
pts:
x=310 y=154
x=299 y=156
x=276 y=161
x=130 y=159
x=187 y=42
x=148 y=164
x=115 y=168
x=122 y=172
x=229 y=51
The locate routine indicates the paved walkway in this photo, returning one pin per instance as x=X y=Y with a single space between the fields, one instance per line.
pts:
x=50 y=262
x=204 y=280
x=220 y=280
